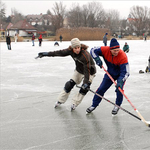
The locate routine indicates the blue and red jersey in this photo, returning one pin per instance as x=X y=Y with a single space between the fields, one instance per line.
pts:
x=117 y=66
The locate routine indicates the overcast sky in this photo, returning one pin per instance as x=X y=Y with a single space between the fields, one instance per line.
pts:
x=41 y=6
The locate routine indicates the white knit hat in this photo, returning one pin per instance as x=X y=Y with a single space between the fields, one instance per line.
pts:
x=75 y=42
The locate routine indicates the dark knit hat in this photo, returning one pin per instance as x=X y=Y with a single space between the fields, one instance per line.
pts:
x=114 y=44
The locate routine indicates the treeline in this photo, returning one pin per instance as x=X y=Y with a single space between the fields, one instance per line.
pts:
x=91 y=15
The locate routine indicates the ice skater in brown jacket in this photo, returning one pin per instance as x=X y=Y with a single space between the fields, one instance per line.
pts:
x=85 y=70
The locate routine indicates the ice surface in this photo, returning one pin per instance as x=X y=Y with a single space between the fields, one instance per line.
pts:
x=29 y=90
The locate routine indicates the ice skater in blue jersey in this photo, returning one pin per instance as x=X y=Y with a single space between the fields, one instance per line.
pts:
x=117 y=66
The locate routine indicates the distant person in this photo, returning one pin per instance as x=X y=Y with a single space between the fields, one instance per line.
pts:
x=145 y=37
x=60 y=38
x=33 y=38
x=16 y=38
x=126 y=47
x=148 y=67
x=120 y=36
x=84 y=71
x=40 y=40
x=105 y=39
x=114 y=35
x=8 y=42
x=56 y=43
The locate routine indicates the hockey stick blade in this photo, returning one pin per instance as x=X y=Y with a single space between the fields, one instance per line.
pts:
x=141 y=117
x=147 y=123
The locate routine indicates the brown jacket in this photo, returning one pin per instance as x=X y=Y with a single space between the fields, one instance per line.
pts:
x=84 y=62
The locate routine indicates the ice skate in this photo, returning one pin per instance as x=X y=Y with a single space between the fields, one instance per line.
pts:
x=57 y=104
x=73 y=107
x=115 y=110
x=147 y=69
x=90 y=109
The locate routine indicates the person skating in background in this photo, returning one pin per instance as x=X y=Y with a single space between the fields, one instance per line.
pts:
x=16 y=38
x=8 y=42
x=144 y=36
x=105 y=39
x=126 y=47
x=148 y=67
x=56 y=43
x=40 y=40
x=60 y=38
x=33 y=38
x=117 y=66
x=84 y=71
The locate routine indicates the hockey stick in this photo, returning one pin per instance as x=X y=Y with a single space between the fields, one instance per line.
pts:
x=37 y=57
x=142 y=118
x=113 y=103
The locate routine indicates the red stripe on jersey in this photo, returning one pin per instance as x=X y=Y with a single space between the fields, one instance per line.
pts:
x=114 y=47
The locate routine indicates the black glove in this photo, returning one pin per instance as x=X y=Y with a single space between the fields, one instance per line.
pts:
x=98 y=62
x=120 y=84
x=43 y=54
x=84 y=88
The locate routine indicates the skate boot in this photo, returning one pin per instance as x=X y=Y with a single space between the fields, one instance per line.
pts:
x=73 y=107
x=146 y=70
x=57 y=104
x=115 y=110
x=90 y=109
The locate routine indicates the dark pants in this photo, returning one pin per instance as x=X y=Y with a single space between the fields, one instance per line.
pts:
x=9 y=46
x=105 y=85
x=40 y=42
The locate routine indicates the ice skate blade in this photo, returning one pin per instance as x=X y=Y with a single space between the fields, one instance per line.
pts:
x=73 y=107
x=56 y=106
x=87 y=113
x=72 y=110
x=114 y=115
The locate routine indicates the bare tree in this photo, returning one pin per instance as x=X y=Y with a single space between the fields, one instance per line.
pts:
x=17 y=16
x=123 y=23
x=149 y=20
x=95 y=15
x=58 y=15
x=75 y=16
x=113 y=21
x=85 y=14
x=140 y=19
x=2 y=10
x=90 y=15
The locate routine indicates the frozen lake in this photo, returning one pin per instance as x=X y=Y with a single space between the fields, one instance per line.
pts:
x=29 y=90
